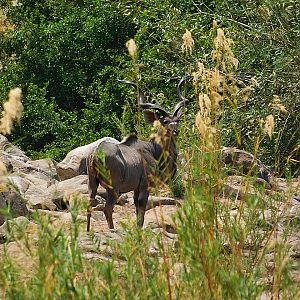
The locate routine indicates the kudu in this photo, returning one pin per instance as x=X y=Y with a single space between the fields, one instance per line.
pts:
x=131 y=164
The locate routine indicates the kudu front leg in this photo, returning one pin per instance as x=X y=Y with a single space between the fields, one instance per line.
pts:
x=140 y=202
x=112 y=197
x=91 y=203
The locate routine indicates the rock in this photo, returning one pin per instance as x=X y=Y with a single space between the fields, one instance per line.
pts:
x=33 y=189
x=160 y=216
x=156 y=201
x=13 y=163
x=37 y=181
x=99 y=244
x=39 y=197
x=18 y=163
x=65 y=220
x=19 y=182
x=241 y=162
x=17 y=204
x=238 y=186
x=8 y=148
x=61 y=191
x=74 y=163
x=10 y=155
x=43 y=169
x=14 y=225
x=22 y=260
x=288 y=187
x=77 y=186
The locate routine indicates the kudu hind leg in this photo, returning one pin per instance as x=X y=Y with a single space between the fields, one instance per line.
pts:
x=112 y=197
x=140 y=202
x=93 y=183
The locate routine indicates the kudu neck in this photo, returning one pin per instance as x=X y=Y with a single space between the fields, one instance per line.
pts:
x=165 y=152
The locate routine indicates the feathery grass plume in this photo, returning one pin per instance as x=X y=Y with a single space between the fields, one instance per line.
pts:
x=204 y=105
x=5 y=24
x=188 y=42
x=132 y=50
x=203 y=121
x=269 y=125
x=215 y=81
x=211 y=82
x=131 y=46
x=222 y=53
x=208 y=82
x=159 y=133
x=276 y=104
x=207 y=131
x=199 y=75
x=13 y=109
x=214 y=85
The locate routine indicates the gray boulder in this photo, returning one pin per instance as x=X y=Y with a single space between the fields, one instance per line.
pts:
x=13 y=199
x=17 y=162
x=43 y=169
x=74 y=163
x=18 y=182
x=238 y=162
x=10 y=155
x=33 y=189
x=27 y=181
x=12 y=228
x=10 y=149
x=38 y=196
x=77 y=185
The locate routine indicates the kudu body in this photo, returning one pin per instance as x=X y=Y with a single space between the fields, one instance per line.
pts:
x=131 y=164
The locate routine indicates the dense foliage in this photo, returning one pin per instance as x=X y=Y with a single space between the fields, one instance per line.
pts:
x=66 y=56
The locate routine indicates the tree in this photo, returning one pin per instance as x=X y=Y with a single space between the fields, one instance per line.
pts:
x=66 y=56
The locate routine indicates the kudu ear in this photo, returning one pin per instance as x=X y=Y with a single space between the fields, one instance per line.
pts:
x=150 y=116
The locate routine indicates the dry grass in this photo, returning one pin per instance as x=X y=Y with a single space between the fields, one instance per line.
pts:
x=12 y=112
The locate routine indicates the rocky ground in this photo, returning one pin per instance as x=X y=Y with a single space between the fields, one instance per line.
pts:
x=49 y=187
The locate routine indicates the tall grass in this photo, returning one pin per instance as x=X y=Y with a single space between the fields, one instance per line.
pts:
x=225 y=248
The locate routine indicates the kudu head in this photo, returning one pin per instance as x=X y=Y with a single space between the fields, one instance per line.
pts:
x=153 y=112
